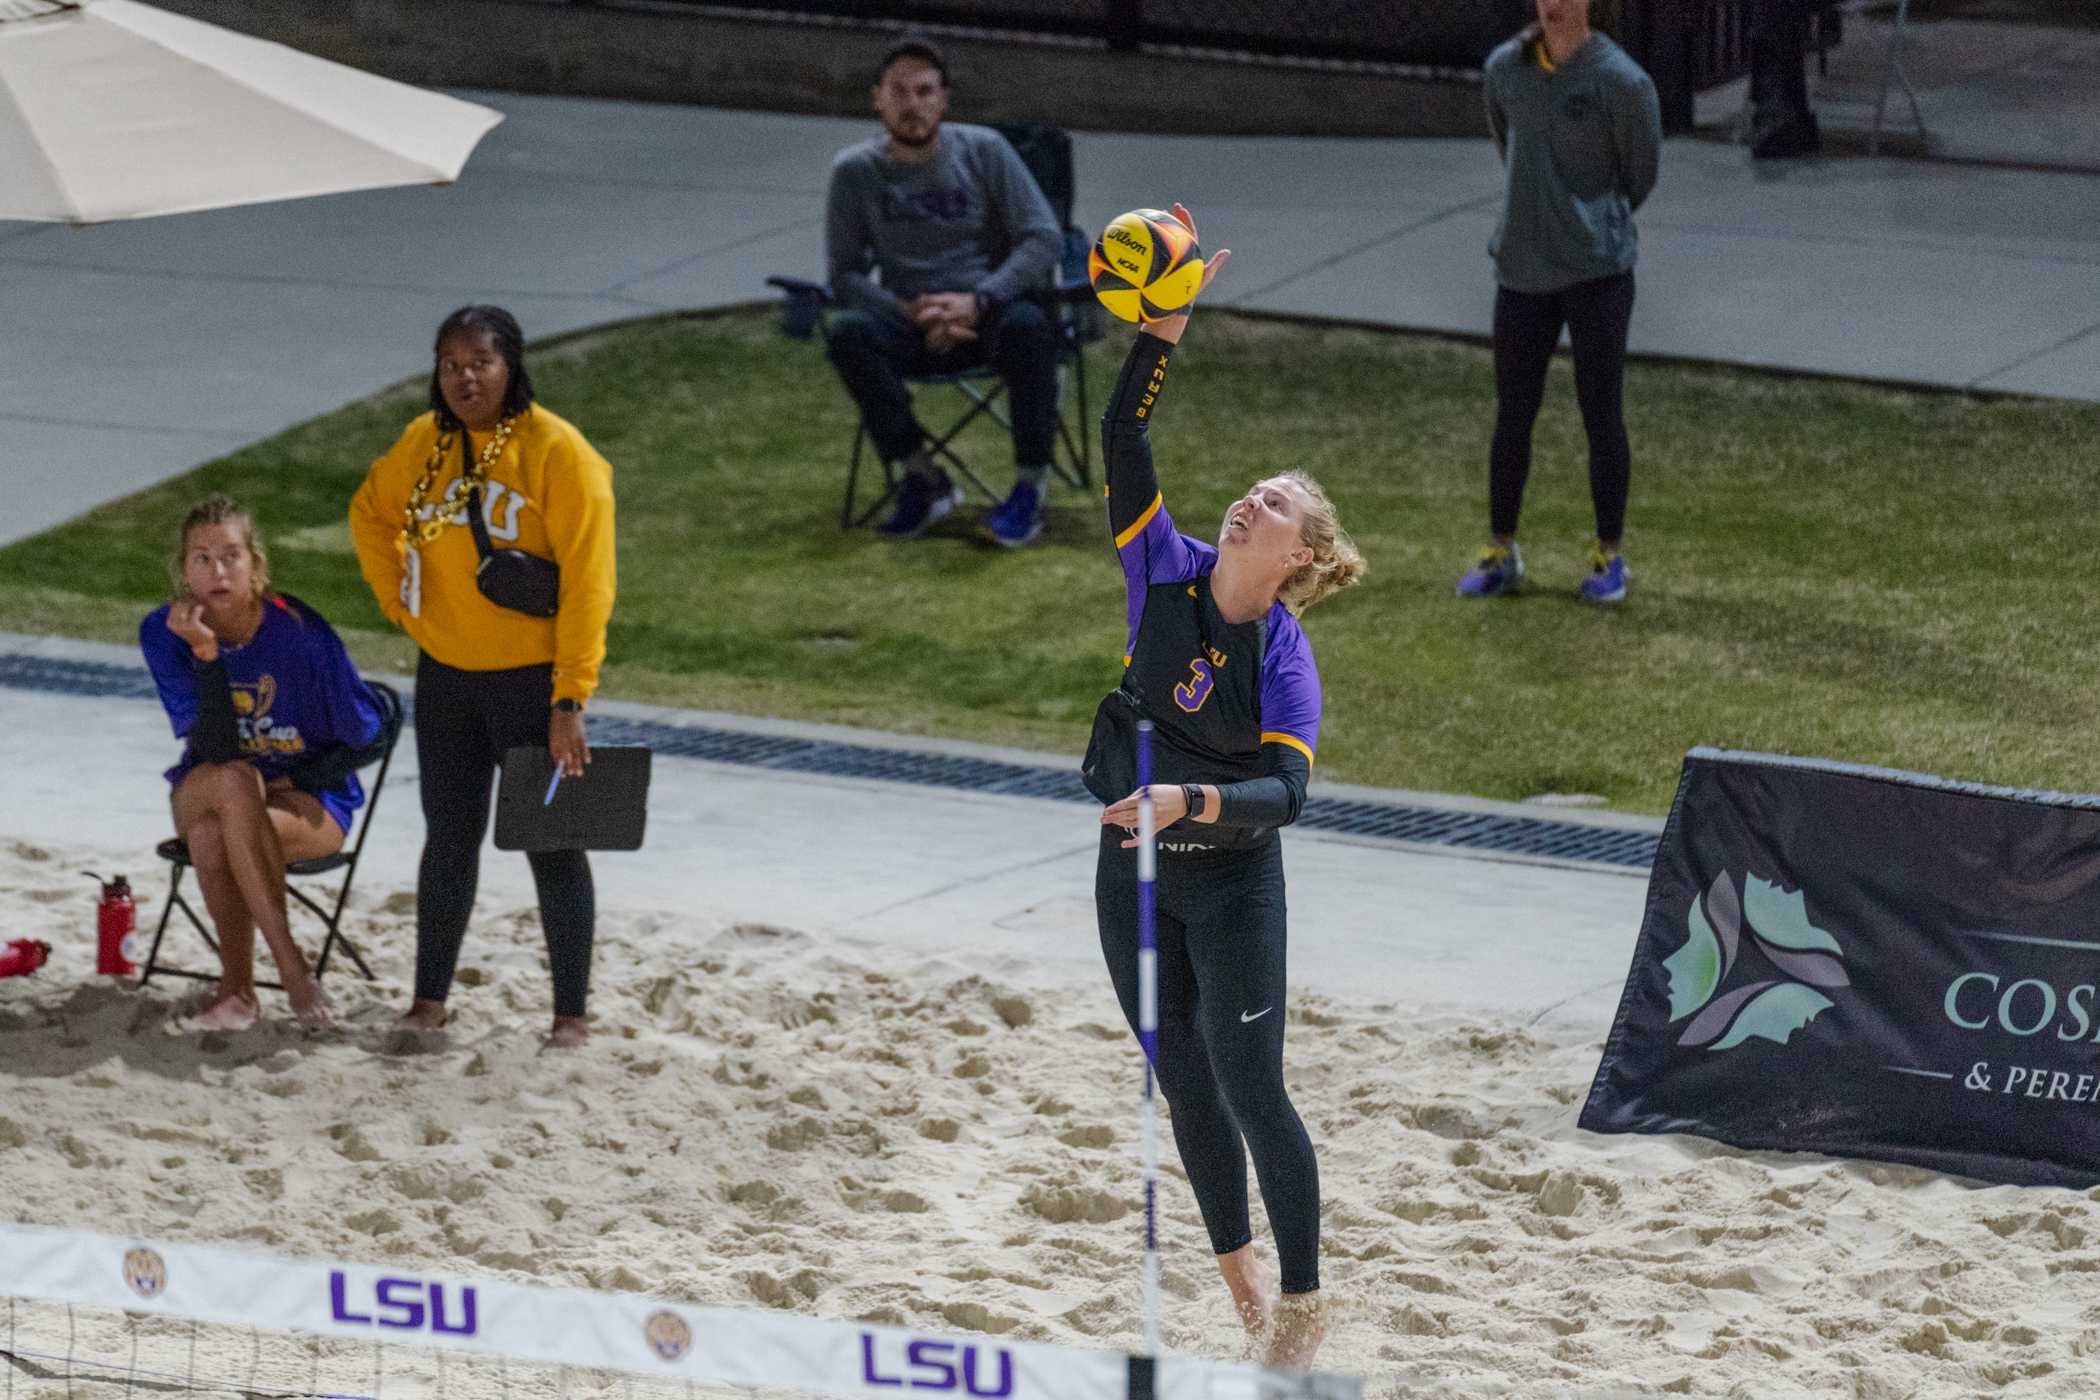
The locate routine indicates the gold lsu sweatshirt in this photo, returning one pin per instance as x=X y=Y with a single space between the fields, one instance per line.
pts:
x=549 y=493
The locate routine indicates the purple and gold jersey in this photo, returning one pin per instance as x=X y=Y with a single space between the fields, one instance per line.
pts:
x=295 y=694
x=1230 y=701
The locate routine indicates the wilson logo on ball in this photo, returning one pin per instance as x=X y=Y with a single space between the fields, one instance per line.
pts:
x=1145 y=265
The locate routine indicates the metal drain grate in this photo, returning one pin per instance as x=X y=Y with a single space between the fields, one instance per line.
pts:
x=1525 y=836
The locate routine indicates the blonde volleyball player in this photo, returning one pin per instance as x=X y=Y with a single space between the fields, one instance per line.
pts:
x=1216 y=660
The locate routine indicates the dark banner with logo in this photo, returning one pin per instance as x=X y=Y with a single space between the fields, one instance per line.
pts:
x=1867 y=963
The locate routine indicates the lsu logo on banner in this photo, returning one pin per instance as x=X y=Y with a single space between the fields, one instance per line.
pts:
x=404 y=1304
x=667 y=1334
x=145 y=1272
x=930 y=1365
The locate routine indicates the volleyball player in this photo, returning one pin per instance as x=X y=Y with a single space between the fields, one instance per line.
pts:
x=272 y=715
x=1216 y=660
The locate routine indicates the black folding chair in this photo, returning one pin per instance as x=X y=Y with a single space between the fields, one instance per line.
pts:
x=1075 y=315
x=176 y=852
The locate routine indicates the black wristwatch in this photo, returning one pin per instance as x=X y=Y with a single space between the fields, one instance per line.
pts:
x=1193 y=792
x=568 y=706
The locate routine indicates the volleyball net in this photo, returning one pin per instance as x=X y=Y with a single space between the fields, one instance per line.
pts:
x=87 y=1316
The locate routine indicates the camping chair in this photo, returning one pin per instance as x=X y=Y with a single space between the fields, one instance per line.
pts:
x=176 y=852
x=1077 y=319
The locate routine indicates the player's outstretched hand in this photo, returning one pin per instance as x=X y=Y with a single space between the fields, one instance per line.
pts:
x=1169 y=328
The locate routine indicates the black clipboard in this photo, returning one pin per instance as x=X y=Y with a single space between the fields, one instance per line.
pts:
x=604 y=810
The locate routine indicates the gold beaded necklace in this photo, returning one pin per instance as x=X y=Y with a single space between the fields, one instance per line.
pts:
x=415 y=531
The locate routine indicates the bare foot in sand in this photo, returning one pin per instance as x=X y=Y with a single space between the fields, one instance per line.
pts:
x=1301 y=1325
x=1253 y=1293
x=314 y=1009
x=569 y=1033
x=420 y=1028
x=229 y=1011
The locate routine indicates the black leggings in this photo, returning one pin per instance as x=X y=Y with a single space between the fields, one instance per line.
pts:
x=464 y=722
x=1220 y=926
x=1527 y=327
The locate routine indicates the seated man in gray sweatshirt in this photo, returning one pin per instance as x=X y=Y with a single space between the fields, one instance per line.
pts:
x=960 y=236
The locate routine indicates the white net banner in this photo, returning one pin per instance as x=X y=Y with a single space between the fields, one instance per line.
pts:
x=625 y=1332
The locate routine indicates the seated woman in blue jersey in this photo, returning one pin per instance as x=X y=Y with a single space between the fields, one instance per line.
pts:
x=273 y=714
x=1215 y=659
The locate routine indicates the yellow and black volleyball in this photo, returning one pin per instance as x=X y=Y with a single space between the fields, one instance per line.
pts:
x=1145 y=265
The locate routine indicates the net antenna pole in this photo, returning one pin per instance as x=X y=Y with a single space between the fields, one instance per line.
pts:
x=1148 y=1022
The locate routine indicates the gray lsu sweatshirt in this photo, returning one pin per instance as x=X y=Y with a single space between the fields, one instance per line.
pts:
x=971 y=219
x=1582 y=144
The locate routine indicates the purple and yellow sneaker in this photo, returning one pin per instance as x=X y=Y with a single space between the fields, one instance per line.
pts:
x=1608 y=575
x=1496 y=571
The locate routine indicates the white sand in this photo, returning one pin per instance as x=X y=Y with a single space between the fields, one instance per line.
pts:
x=774 y=1119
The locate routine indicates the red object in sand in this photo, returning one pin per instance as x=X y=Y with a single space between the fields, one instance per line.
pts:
x=115 y=918
x=23 y=956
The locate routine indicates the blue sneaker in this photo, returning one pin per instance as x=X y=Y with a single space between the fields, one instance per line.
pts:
x=921 y=500
x=1018 y=519
x=1496 y=571
x=1608 y=576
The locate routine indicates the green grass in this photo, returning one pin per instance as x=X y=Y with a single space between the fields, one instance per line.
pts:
x=1821 y=568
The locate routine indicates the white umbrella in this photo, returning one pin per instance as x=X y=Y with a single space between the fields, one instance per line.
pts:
x=116 y=110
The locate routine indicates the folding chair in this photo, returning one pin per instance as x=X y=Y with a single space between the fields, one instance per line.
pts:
x=1076 y=317
x=176 y=852
x=1892 y=73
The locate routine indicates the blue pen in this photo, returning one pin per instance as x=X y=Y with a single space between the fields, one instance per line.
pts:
x=554 y=783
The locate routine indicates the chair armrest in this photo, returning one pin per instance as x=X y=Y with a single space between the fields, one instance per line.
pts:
x=802 y=287
x=804 y=307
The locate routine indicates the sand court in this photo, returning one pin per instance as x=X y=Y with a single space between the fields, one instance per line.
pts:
x=916 y=1104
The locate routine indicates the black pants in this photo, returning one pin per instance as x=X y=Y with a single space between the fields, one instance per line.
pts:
x=1527 y=327
x=464 y=722
x=1220 y=927
x=1778 y=64
x=873 y=354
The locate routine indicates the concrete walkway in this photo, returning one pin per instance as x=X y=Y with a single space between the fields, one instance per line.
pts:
x=136 y=351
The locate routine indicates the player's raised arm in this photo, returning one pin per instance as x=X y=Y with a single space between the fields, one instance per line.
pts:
x=1137 y=515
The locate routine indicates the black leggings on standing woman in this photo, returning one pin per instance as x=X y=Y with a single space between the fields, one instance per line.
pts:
x=464 y=722
x=1527 y=327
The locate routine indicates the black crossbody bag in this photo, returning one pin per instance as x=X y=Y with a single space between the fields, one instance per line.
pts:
x=510 y=578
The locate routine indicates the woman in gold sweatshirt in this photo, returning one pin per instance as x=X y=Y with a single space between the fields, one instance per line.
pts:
x=509 y=652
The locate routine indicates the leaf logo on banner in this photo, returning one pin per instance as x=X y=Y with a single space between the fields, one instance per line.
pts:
x=1776 y=922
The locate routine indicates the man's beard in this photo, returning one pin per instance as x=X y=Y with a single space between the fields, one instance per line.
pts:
x=933 y=130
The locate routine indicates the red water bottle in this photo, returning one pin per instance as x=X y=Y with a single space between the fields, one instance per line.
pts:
x=115 y=919
x=23 y=956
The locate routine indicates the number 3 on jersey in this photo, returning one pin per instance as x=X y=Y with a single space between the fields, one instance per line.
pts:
x=1191 y=693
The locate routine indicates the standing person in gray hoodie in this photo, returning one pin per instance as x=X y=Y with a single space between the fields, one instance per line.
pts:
x=1580 y=131
x=962 y=238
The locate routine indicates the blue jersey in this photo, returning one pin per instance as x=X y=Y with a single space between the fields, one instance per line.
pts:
x=295 y=695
